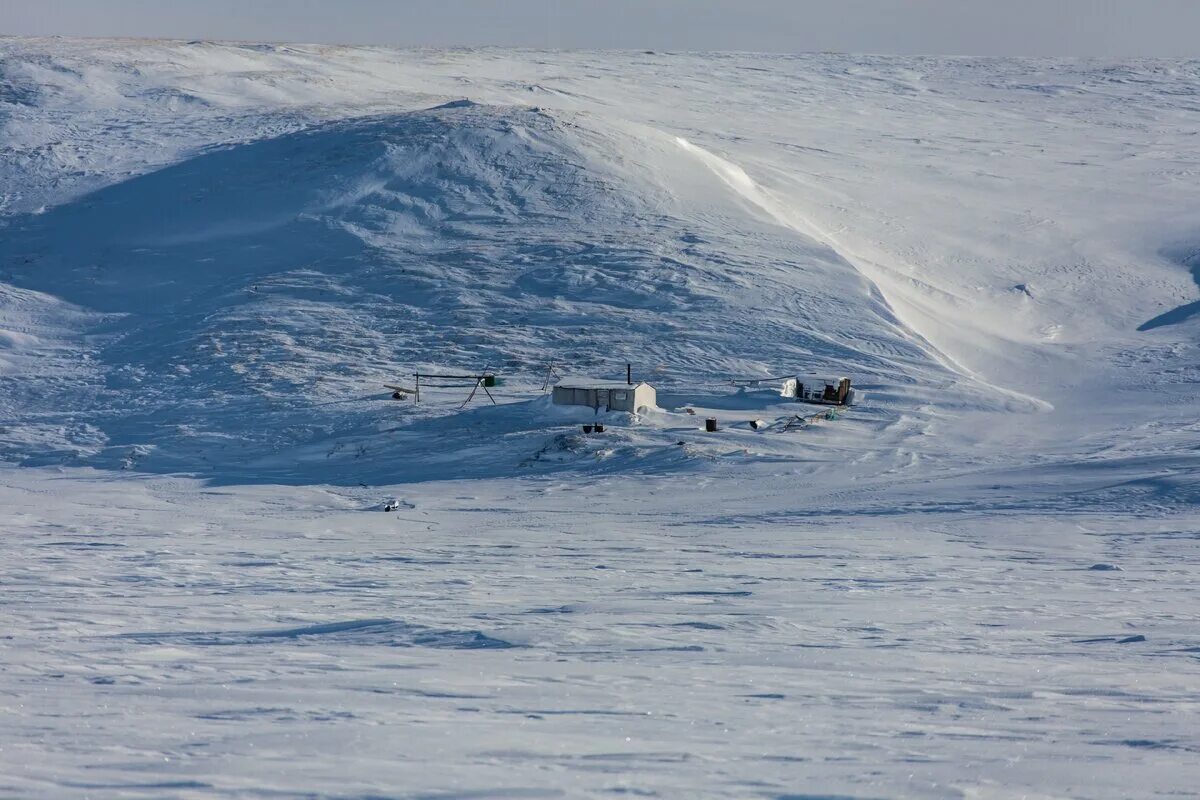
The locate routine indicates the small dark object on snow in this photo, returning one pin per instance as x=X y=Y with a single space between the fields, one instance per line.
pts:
x=588 y=428
x=710 y=424
x=391 y=505
x=1105 y=568
x=599 y=428
x=398 y=392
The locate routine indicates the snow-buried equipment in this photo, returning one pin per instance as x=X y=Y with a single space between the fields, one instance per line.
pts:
x=826 y=391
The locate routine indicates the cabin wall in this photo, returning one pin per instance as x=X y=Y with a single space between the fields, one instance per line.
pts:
x=621 y=399
x=566 y=396
x=616 y=399
x=644 y=396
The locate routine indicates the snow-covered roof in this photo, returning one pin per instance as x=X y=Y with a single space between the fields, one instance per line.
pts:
x=594 y=383
x=812 y=378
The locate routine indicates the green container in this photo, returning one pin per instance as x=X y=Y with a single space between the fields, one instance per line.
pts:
x=489 y=380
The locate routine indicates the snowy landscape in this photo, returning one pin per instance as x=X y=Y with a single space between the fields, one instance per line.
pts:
x=978 y=581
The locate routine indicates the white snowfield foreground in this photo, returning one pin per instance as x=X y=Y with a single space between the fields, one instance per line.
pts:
x=979 y=582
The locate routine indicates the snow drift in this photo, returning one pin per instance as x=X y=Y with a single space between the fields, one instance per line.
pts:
x=247 y=293
x=980 y=582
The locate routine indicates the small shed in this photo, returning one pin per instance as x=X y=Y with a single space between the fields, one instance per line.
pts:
x=607 y=395
x=812 y=389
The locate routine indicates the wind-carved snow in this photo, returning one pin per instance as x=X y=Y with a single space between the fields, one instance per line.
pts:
x=978 y=582
x=279 y=279
x=744 y=185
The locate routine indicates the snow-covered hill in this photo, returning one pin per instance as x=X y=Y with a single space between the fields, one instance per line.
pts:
x=214 y=256
x=276 y=282
x=279 y=227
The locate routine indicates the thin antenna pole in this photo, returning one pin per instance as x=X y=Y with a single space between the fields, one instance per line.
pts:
x=629 y=374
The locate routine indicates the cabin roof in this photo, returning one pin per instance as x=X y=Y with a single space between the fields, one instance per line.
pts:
x=594 y=383
x=814 y=378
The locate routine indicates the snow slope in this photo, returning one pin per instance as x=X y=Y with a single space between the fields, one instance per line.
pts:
x=275 y=279
x=974 y=584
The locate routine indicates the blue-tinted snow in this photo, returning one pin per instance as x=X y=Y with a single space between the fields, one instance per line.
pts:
x=978 y=583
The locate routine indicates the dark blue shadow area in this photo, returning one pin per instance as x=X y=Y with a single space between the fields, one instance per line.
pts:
x=1190 y=260
x=1173 y=317
x=364 y=632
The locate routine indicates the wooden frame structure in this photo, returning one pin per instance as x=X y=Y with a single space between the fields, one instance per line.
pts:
x=552 y=375
x=477 y=382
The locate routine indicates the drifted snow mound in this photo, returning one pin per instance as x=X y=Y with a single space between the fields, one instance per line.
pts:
x=246 y=299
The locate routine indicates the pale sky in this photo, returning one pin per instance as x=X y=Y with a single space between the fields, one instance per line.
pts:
x=968 y=27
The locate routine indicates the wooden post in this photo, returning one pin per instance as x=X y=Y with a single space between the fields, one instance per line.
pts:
x=418 y=386
x=474 y=389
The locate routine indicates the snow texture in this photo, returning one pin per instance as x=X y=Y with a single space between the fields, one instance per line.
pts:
x=235 y=566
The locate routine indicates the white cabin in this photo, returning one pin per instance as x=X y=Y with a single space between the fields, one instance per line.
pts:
x=606 y=395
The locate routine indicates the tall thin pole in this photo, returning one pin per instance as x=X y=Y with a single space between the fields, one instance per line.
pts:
x=629 y=374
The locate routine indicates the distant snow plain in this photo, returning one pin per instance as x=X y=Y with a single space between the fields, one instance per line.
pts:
x=977 y=583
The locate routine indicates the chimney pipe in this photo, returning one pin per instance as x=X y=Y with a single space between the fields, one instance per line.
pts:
x=629 y=374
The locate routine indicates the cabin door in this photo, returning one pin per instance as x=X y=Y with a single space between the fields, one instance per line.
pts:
x=602 y=399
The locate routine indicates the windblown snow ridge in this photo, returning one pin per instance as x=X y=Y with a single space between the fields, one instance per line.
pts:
x=253 y=290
